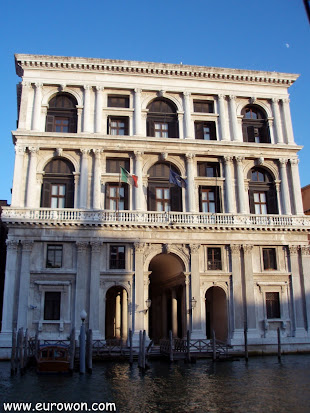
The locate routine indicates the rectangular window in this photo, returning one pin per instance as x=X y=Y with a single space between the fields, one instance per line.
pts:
x=260 y=203
x=204 y=106
x=58 y=195
x=161 y=129
x=208 y=169
x=113 y=165
x=207 y=200
x=117 y=257
x=116 y=197
x=269 y=259
x=162 y=199
x=61 y=124
x=52 y=305
x=118 y=126
x=205 y=131
x=54 y=256
x=273 y=305
x=117 y=101
x=214 y=259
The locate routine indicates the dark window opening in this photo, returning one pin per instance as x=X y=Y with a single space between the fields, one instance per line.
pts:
x=273 y=305
x=262 y=192
x=208 y=169
x=162 y=120
x=113 y=165
x=62 y=114
x=255 y=125
x=54 y=256
x=269 y=259
x=118 y=126
x=52 y=305
x=214 y=259
x=209 y=198
x=116 y=197
x=204 y=106
x=205 y=131
x=117 y=257
x=117 y=101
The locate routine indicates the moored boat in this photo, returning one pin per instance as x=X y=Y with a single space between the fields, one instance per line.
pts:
x=53 y=359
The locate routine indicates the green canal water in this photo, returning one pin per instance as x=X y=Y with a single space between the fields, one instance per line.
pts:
x=262 y=385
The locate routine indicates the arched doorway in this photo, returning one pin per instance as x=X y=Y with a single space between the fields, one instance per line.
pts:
x=116 y=320
x=168 y=297
x=216 y=313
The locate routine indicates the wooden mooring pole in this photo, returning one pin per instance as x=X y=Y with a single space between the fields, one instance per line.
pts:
x=143 y=349
x=72 y=349
x=130 y=348
x=246 y=354
x=170 y=346
x=13 y=353
x=213 y=346
x=89 y=354
x=20 y=348
x=188 y=343
x=140 y=350
x=279 y=344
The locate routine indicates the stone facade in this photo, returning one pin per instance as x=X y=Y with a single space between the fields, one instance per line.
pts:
x=224 y=250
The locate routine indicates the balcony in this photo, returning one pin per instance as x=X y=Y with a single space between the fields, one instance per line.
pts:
x=143 y=219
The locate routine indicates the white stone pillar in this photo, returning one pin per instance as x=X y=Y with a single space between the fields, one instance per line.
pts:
x=277 y=120
x=138 y=113
x=18 y=173
x=31 y=200
x=24 y=102
x=237 y=291
x=195 y=289
x=299 y=210
x=124 y=315
x=190 y=188
x=189 y=133
x=187 y=301
x=139 y=196
x=97 y=179
x=286 y=203
x=9 y=301
x=139 y=301
x=94 y=287
x=22 y=318
x=240 y=184
x=288 y=121
x=234 y=119
x=174 y=313
x=249 y=289
x=36 y=120
x=84 y=178
x=229 y=187
x=118 y=315
x=222 y=123
x=86 y=114
x=99 y=106
x=297 y=299
x=305 y=262
x=81 y=281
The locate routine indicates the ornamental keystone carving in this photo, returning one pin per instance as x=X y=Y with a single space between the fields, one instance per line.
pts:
x=293 y=249
x=81 y=246
x=253 y=99
x=260 y=160
x=96 y=246
x=59 y=151
x=164 y=156
x=139 y=247
x=195 y=248
x=11 y=244
x=166 y=248
x=235 y=249
x=247 y=248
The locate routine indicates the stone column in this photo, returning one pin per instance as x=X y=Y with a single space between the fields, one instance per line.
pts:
x=190 y=189
x=139 y=301
x=237 y=290
x=240 y=183
x=297 y=298
x=97 y=179
x=84 y=178
x=222 y=123
x=24 y=102
x=305 y=262
x=249 y=288
x=187 y=301
x=94 y=287
x=32 y=181
x=286 y=203
x=18 y=173
x=9 y=301
x=234 y=119
x=124 y=315
x=118 y=315
x=174 y=313
x=188 y=119
x=36 y=120
x=138 y=113
x=86 y=114
x=139 y=196
x=195 y=288
x=229 y=187
x=80 y=281
x=288 y=121
x=99 y=106
x=299 y=210
x=164 y=313
x=277 y=120
x=22 y=318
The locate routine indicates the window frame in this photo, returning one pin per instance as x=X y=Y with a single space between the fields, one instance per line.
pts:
x=269 y=259
x=53 y=248
x=214 y=264
x=271 y=312
x=201 y=104
x=58 y=312
x=217 y=199
x=126 y=99
x=199 y=130
x=120 y=263
x=118 y=119
x=117 y=198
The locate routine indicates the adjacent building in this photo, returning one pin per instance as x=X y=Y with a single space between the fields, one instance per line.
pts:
x=211 y=233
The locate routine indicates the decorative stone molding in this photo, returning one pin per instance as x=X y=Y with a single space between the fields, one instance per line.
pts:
x=99 y=88
x=164 y=156
x=20 y=149
x=81 y=246
x=27 y=245
x=195 y=248
x=239 y=159
x=228 y=159
x=283 y=161
x=294 y=161
x=305 y=249
x=167 y=248
x=33 y=149
x=182 y=248
x=139 y=247
x=59 y=151
x=96 y=246
x=84 y=151
x=293 y=249
x=11 y=244
x=235 y=249
x=247 y=248
x=190 y=157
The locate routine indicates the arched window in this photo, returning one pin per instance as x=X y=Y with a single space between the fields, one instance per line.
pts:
x=163 y=195
x=62 y=114
x=255 y=125
x=58 y=184
x=262 y=192
x=162 y=120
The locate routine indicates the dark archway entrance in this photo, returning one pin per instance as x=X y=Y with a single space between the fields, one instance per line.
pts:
x=216 y=313
x=167 y=292
x=116 y=319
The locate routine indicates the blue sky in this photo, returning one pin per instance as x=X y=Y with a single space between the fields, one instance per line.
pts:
x=271 y=35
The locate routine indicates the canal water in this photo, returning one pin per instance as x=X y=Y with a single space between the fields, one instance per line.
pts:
x=262 y=385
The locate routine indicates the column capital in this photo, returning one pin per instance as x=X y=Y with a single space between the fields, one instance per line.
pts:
x=294 y=161
x=283 y=162
x=11 y=244
x=190 y=156
x=239 y=159
x=232 y=97
x=33 y=150
x=97 y=152
x=187 y=94
x=138 y=154
x=247 y=248
x=221 y=96
x=275 y=100
x=87 y=87
x=81 y=245
x=95 y=246
x=27 y=244
x=195 y=248
x=20 y=149
x=305 y=250
x=39 y=85
x=139 y=247
x=235 y=249
x=137 y=90
x=293 y=249
x=84 y=151
x=99 y=88
x=26 y=84
x=286 y=100
x=228 y=158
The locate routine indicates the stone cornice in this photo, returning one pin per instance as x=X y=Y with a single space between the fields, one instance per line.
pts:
x=126 y=67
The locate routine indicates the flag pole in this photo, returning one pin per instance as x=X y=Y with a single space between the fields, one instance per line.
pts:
x=119 y=193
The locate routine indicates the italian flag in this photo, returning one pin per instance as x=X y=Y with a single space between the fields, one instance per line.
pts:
x=128 y=178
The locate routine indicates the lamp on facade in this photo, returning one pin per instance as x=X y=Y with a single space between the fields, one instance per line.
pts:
x=148 y=303
x=83 y=315
x=193 y=303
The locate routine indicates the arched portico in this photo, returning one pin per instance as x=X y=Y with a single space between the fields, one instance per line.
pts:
x=116 y=318
x=168 y=297
x=216 y=313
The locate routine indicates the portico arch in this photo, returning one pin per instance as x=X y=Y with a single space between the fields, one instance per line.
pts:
x=168 y=297
x=116 y=319
x=216 y=313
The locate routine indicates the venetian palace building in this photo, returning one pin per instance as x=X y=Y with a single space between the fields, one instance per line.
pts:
x=212 y=237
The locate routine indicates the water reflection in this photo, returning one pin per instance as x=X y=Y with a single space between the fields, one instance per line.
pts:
x=262 y=385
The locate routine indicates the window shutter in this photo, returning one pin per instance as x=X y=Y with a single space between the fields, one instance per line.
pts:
x=200 y=201
x=151 y=197
x=272 y=205
x=150 y=127
x=72 y=125
x=175 y=198
x=126 y=121
x=70 y=194
x=212 y=130
x=251 y=135
x=46 y=195
x=251 y=201
x=173 y=129
x=126 y=196
x=49 y=127
x=198 y=130
x=218 y=204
